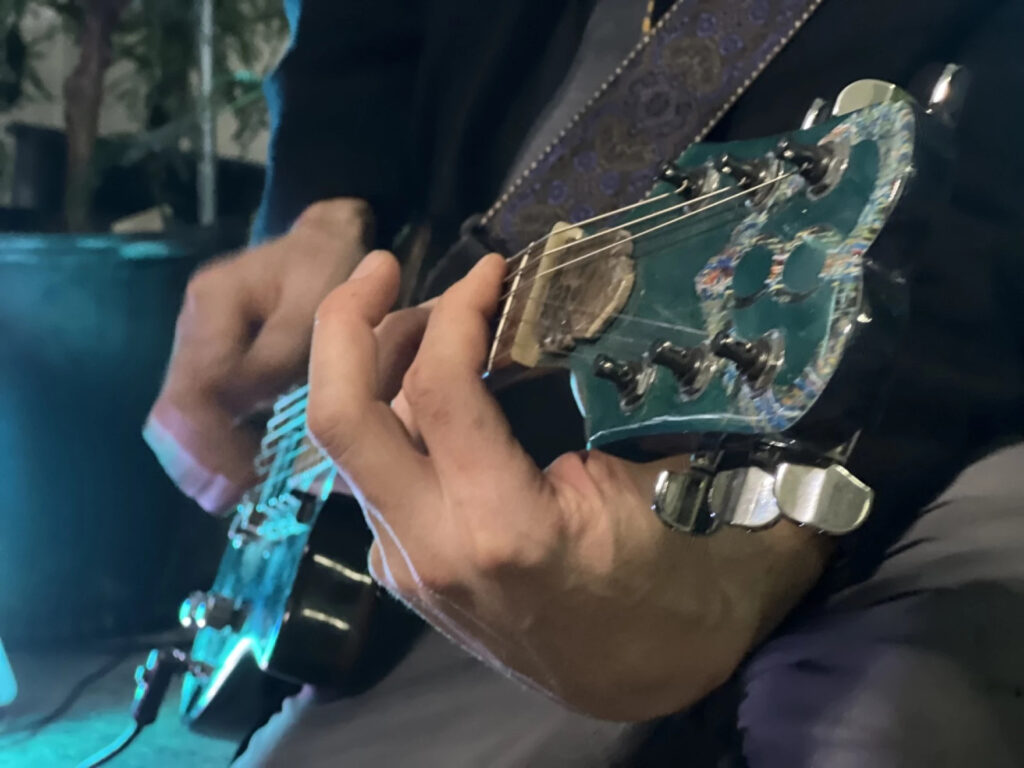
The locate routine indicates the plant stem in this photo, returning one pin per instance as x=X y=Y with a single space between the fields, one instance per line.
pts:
x=83 y=97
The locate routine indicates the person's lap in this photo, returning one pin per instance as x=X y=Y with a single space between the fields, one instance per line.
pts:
x=922 y=664
x=919 y=665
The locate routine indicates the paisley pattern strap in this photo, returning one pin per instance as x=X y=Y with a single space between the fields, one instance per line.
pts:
x=671 y=91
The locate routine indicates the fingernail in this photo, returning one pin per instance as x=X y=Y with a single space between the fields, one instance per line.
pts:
x=368 y=265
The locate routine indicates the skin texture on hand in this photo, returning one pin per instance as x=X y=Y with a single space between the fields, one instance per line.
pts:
x=242 y=339
x=562 y=578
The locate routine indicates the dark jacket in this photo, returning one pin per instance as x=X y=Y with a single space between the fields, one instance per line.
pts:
x=420 y=106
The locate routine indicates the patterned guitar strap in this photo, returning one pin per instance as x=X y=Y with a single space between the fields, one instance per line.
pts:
x=668 y=93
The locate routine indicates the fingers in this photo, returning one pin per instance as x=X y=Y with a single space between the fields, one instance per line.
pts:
x=292 y=276
x=461 y=424
x=345 y=413
x=193 y=427
x=211 y=465
x=242 y=339
x=398 y=340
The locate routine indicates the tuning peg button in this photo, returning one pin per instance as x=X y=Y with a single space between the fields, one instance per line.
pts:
x=629 y=379
x=747 y=173
x=691 y=366
x=688 y=184
x=208 y=609
x=813 y=161
x=757 y=361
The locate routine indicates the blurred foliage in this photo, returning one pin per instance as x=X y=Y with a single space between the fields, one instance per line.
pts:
x=19 y=54
x=157 y=41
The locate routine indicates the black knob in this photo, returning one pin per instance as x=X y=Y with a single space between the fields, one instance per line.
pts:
x=624 y=376
x=813 y=161
x=748 y=173
x=686 y=185
x=752 y=358
x=686 y=364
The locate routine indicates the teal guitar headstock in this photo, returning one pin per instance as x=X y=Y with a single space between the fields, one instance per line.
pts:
x=728 y=304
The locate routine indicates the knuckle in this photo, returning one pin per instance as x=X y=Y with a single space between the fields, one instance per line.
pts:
x=329 y=424
x=498 y=553
x=416 y=384
x=495 y=555
x=437 y=578
x=424 y=395
x=604 y=470
x=202 y=286
x=331 y=307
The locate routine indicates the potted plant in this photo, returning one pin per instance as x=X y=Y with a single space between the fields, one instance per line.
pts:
x=157 y=42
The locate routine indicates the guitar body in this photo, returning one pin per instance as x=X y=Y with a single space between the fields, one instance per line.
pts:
x=307 y=611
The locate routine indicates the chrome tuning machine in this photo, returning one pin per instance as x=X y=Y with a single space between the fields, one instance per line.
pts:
x=692 y=367
x=702 y=499
x=631 y=379
x=689 y=184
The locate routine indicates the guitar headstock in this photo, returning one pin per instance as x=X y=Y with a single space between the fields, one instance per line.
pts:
x=724 y=304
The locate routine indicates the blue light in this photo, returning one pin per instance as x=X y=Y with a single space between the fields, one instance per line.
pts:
x=8 y=685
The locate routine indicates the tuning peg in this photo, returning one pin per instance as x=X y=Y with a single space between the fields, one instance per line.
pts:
x=688 y=185
x=757 y=361
x=627 y=378
x=689 y=365
x=819 y=111
x=748 y=173
x=813 y=161
x=949 y=93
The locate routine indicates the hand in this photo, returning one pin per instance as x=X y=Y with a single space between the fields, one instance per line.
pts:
x=242 y=340
x=563 y=578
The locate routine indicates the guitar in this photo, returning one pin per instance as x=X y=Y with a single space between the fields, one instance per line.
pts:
x=735 y=313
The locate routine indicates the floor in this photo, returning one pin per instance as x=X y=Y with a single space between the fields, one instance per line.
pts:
x=98 y=716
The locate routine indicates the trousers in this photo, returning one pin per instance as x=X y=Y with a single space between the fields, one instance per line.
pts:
x=922 y=664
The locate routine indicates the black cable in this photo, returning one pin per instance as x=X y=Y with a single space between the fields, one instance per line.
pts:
x=113 y=749
x=123 y=652
x=34 y=727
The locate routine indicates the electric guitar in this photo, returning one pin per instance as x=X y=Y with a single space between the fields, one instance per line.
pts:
x=736 y=313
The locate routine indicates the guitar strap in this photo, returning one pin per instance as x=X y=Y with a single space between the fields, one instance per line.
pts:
x=668 y=93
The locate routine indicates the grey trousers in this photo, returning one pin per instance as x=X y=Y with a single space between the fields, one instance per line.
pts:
x=921 y=665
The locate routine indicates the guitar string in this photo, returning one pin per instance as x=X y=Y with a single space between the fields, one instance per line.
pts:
x=288 y=400
x=305 y=448
x=265 y=467
x=286 y=404
x=297 y=409
x=587 y=256
x=526 y=251
x=287 y=426
x=643 y=233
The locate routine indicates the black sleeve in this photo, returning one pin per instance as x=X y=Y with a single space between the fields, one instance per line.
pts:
x=340 y=104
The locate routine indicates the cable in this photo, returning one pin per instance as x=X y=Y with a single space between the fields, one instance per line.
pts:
x=74 y=694
x=122 y=652
x=151 y=683
x=115 y=748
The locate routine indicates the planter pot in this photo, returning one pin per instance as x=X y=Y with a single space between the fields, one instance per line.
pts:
x=167 y=178
x=94 y=540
